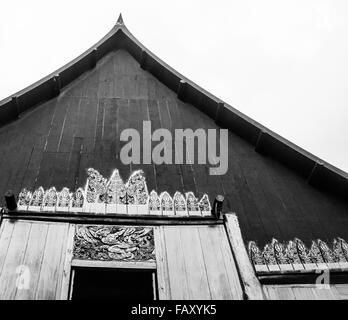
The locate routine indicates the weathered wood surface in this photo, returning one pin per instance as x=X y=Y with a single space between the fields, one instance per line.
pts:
x=250 y=283
x=32 y=256
x=305 y=292
x=198 y=264
x=53 y=144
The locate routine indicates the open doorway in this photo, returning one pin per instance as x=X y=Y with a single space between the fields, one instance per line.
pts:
x=113 y=284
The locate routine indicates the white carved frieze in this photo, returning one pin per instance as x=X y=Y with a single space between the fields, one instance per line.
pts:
x=113 y=196
x=295 y=256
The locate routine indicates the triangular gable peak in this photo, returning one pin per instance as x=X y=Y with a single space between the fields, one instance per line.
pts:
x=316 y=171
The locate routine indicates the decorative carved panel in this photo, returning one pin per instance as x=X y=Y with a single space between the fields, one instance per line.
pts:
x=105 y=196
x=107 y=243
x=294 y=255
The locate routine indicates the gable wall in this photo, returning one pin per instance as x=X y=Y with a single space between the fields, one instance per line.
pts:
x=53 y=145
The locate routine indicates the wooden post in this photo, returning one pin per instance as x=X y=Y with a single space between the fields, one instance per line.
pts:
x=10 y=200
x=251 y=285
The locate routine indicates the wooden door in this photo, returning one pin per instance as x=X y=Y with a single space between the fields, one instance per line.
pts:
x=195 y=262
x=32 y=257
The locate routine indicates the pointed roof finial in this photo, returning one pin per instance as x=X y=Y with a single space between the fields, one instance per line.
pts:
x=120 y=19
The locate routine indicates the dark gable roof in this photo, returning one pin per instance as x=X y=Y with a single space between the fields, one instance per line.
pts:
x=318 y=172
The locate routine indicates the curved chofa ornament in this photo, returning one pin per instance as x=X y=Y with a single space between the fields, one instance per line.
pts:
x=180 y=205
x=95 y=192
x=192 y=204
x=77 y=201
x=204 y=205
x=167 y=205
x=24 y=199
x=50 y=200
x=256 y=257
x=63 y=201
x=36 y=200
x=154 y=204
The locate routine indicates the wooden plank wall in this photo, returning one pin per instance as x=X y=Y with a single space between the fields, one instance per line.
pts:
x=32 y=256
x=306 y=292
x=54 y=144
x=196 y=262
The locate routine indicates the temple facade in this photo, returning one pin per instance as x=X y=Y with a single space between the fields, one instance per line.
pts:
x=101 y=201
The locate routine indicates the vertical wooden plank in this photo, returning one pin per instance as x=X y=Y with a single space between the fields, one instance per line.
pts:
x=342 y=290
x=250 y=283
x=176 y=264
x=214 y=263
x=326 y=293
x=162 y=265
x=303 y=293
x=5 y=238
x=195 y=269
x=63 y=289
x=33 y=260
x=14 y=258
x=55 y=244
x=231 y=267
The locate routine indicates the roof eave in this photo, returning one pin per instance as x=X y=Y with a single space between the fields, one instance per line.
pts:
x=317 y=172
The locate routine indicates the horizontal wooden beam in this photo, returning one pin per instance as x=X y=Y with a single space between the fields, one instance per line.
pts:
x=333 y=277
x=149 y=265
x=111 y=218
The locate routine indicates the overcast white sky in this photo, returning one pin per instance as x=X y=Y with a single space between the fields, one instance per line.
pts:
x=283 y=63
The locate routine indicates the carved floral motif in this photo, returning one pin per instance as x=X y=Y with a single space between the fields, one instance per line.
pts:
x=78 y=198
x=114 y=196
x=37 y=197
x=192 y=202
x=154 y=201
x=166 y=201
x=179 y=202
x=114 y=243
x=64 y=198
x=50 y=198
x=295 y=252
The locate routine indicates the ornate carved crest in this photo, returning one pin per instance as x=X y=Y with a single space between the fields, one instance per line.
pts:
x=179 y=202
x=50 y=198
x=303 y=252
x=204 y=203
x=114 y=243
x=166 y=202
x=64 y=198
x=113 y=196
x=77 y=199
x=268 y=254
x=280 y=253
x=296 y=256
x=192 y=202
x=255 y=254
x=154 y=201
x=291 y=253
x=95 y=187
x=24 y=198
x=137 y=187
x=37 y=198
